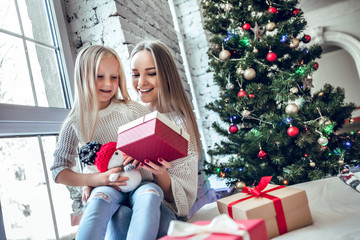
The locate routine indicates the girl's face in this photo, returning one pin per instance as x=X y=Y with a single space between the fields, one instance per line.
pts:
x=144 y=77
x=107 y=81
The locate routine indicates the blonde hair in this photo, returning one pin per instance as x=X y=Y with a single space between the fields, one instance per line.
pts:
x=85 y=107
x=171 y=94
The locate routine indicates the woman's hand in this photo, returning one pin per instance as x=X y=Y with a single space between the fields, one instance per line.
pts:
x=157 y=170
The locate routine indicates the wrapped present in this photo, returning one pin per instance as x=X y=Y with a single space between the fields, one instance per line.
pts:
x=221 y=227
x=283 y=208
x=151 y=137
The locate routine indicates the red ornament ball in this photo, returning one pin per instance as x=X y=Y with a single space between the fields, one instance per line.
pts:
x=242 y=93
x=296 y=11
x=233 y=129
x=293 y=131
x=271 y=57
x=306 y=39
x=272 y=10
x=316 y=65
x=251 y=95
x=262 y=154
x=246 y=26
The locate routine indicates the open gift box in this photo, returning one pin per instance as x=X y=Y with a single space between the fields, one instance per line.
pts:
x=221 y=227
x=283 y=208
x=151 y=137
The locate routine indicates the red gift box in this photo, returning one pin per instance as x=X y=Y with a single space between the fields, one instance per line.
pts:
x=221 y=228
x=151 y=137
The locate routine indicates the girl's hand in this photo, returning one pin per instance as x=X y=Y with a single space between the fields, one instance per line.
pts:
x=86 y=194
x=128 y=159
x=157 y=170
x=102 y=179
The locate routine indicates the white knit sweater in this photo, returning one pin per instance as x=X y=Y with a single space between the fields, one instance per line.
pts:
x=183 y=173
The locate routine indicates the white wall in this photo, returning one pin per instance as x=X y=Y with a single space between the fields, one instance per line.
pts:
x=338 y=68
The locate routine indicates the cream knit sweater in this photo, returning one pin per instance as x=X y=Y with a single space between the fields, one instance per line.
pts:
x=183 y=173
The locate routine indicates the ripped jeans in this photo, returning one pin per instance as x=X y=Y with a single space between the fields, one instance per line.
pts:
x=104 y=201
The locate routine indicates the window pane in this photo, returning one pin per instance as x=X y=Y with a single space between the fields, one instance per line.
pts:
x=35 y=21
x=60 y=194
x=9 y=20
x=15 y=87
x=46 y=76
x=24 y=197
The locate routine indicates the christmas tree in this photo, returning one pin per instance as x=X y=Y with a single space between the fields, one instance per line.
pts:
x=275 y=126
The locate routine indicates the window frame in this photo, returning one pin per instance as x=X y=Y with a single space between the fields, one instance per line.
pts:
x=19 y=120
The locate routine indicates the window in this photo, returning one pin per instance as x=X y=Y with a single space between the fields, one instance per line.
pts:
x=35 y=97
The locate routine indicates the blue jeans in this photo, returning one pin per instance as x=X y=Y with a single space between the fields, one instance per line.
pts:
x=104 y=201
x=117 y=226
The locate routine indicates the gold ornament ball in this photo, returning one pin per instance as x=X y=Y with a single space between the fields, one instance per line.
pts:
x=294 y=43
x=255 y=50
x=245 y=113
x=239 y=71
x=341 y=161
x=323 y=141
x=294 y=90
x=224 y=55
x=328 y=122
x=228 y=7
x=323 y=120
x=291 y=108
x=240 y=185
x=270 y=26
x=249 y=74
x=312 y=164
x=321 y=94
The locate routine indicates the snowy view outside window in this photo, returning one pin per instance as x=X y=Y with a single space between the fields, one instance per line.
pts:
x=31 y=74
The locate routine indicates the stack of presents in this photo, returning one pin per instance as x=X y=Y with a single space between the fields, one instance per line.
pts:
x=258 y=213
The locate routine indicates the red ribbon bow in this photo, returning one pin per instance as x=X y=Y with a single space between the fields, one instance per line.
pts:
x=258 y=192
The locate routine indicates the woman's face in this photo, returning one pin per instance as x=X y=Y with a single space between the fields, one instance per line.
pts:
x=144 y=77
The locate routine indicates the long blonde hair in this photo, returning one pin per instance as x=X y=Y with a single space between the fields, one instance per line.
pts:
x=85 y=107
x=171 y=94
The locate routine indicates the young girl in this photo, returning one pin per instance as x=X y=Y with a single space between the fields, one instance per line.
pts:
x=96 y=116
x=157 y=80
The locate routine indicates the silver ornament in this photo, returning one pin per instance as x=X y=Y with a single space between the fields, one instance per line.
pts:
x=323 y=141
x=291 y=108
x=312 y=164
x=249 y=74
x=224 y=55
x=270 y=26
x=229 y=86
